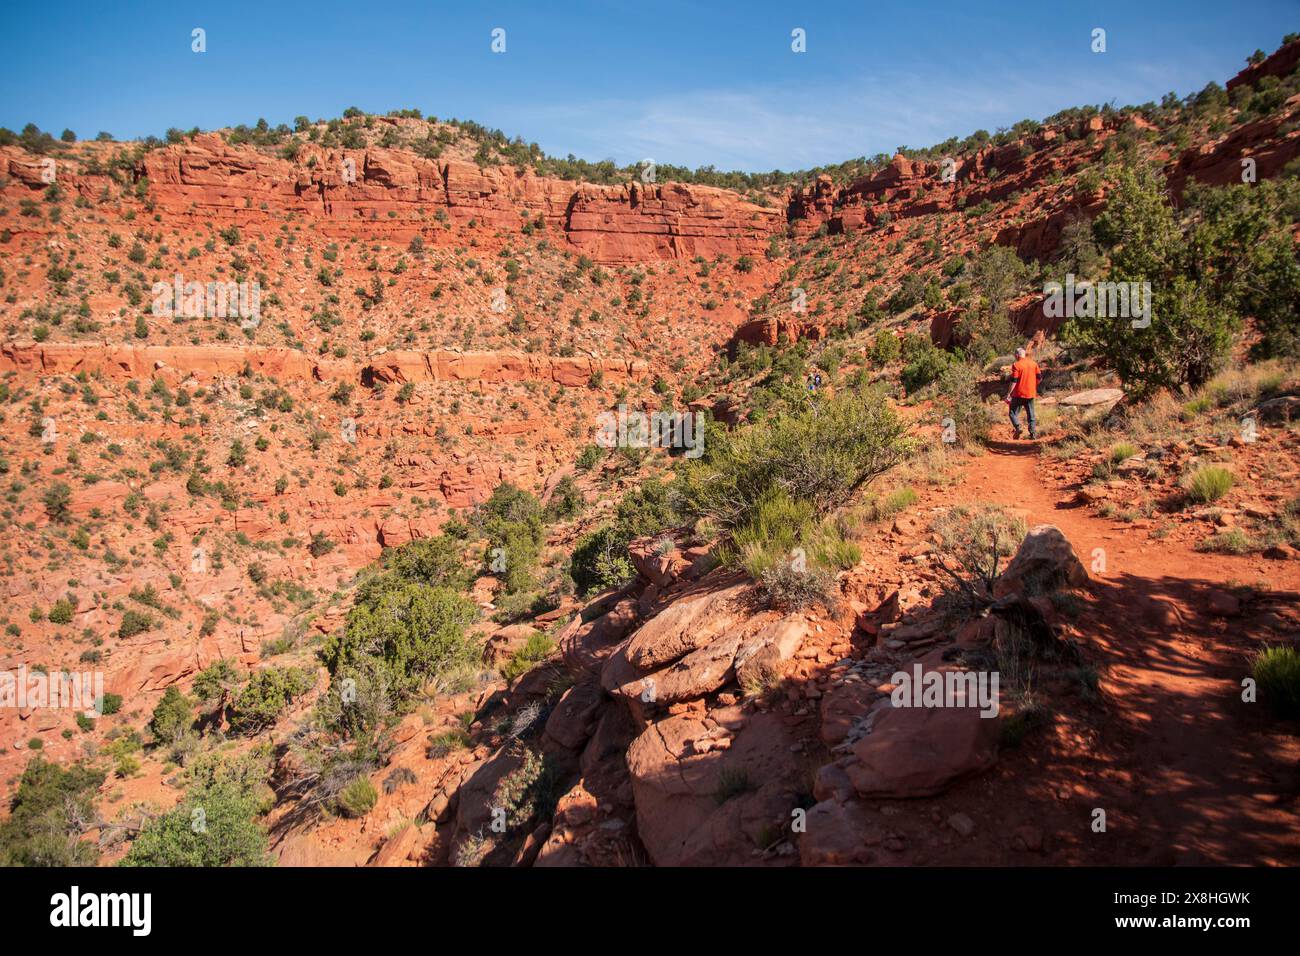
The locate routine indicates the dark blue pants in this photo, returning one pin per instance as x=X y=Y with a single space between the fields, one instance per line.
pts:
x=1027 y=404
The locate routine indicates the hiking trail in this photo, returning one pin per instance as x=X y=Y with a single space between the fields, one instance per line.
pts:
x=1187 y=772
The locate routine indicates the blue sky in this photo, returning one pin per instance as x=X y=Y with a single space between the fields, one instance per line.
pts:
x=692 y=83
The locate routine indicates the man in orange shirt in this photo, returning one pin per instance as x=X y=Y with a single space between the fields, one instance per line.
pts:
x=1025 y=375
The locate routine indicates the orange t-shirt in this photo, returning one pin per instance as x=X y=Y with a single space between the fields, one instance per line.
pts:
x=1025 y=372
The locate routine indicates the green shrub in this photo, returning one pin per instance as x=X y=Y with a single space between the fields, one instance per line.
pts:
x=266 y=695
x=885 y=348
x=216 y=824
x=534 y=651
x=58 y=502
x=358 y=798
x=44 y=823
x=413 y=632
x=821 y=454
x=449 y=741
x=925 y=366
x=1238 y=235
x=566 y=500
x=512 y=521
x=134 y=622
x=1122 y=452
x=1230 y=541
x=437 y=562
x=600 y=561
x=216 y=681
x=1209 y=483
x=1277 y=674
x=790 y=552
x=61 y=612
x=897 y=500
x=172 y=717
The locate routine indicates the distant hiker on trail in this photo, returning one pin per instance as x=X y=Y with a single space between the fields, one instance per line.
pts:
x=1025 y=375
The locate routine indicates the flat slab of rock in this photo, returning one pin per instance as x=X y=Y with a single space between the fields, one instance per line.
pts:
x=685 y=625
x=586 y=644
x=1284 y=408
x=1093 y=396
x=761 y=655
x=700 y=672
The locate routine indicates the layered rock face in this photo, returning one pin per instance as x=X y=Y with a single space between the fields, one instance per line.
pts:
x=121 y=362
x=908 y=188
x=396 y=194
x=1282 y=61
x=1269 y=143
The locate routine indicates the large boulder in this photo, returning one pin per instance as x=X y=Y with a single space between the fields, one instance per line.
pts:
x=921 y=751
x=573 y=720
x=1284 y=408
x=700 y=672
x=711 y=788
x=1045 y=562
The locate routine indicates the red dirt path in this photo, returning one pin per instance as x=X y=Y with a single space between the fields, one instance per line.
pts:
x=1187 y=772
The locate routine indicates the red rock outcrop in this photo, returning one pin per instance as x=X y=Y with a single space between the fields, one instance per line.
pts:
x=397 y=194
x=1282 y=61
x=209 y=361
x=1272 y=142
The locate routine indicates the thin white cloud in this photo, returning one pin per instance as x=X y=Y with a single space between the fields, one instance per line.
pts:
x=764 y=128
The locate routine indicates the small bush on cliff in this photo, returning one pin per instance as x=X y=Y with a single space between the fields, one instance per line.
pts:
x=600 y=559
x=172 y=717
x=358 y=798
x=267 y=693
x=58 y=502
x=534 y=651
x=413 y=632
x=135 y=622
